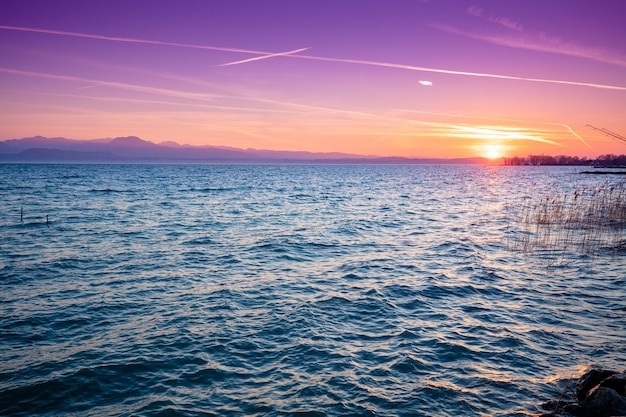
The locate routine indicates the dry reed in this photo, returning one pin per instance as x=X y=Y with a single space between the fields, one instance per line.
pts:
x=589 y=220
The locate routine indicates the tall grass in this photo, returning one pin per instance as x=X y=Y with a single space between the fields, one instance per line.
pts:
x=589 y=220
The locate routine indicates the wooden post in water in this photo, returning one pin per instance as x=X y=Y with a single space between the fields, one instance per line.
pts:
x=22 y=214
x=47 y=221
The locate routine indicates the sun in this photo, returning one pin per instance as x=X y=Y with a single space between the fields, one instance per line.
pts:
x=492 y=151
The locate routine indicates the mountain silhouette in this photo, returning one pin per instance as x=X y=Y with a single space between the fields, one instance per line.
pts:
x=135 y=149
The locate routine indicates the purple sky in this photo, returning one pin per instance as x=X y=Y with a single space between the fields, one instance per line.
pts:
x=422 y=78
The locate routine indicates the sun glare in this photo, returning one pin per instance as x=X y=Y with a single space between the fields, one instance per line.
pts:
x=492 y=151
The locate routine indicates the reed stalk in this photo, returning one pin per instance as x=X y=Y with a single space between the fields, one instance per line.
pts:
x=589 y=220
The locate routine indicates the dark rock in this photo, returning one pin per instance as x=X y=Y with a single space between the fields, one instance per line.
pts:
x=617 y=383
x=599 y=393
x=590 y=379
x=573 y=409
x=603 y=402
x=554 y=405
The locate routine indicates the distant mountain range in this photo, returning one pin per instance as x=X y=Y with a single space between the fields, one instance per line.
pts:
x=132 y=149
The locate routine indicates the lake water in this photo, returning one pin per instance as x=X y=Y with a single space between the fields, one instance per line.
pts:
x=292 y=290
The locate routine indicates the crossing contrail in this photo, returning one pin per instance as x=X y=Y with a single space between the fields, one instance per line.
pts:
x=292 y=54
x=258 y=58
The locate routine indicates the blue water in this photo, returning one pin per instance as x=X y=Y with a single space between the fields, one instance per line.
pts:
x=200 y=290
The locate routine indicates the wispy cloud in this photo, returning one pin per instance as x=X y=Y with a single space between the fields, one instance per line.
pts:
x=500 y=20
x=498 y=133
x=475 y=11
x=258 y=58
x=538 y=133
x=378 y=125
x=542 y=43
x=200 y=98
x=124 y=86
x=508 y=23
x=328 y=59
x=183 y=106
x=438 y=128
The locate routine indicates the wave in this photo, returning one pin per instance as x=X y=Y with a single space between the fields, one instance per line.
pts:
x=283 y=291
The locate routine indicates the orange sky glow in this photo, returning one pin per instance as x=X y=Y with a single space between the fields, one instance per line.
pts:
x=404 y=78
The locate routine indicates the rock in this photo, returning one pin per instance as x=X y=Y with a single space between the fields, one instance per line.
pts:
x=592 y=377
x=554 y=405
x=555 y=408
x=616 y=382
x=599 y=393
x=603 y=402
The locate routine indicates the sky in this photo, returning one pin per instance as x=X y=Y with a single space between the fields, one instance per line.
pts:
x=413 y=78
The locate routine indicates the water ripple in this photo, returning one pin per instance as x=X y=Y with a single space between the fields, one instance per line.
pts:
x=174 y=290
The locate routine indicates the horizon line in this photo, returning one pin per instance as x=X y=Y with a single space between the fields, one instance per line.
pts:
x=344 y=155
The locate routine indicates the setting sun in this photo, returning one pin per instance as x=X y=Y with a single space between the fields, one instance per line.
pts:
x=68 y=72
x=492 y=151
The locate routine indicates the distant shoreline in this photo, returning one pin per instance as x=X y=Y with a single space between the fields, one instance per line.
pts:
x=248 y=162
x=132 y=149
x=604 y=172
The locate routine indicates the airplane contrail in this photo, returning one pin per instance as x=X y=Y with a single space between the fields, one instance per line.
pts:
x=574 y=133
x=258 y=58
x=317 y=58
x=455 y=72
x=133 y=40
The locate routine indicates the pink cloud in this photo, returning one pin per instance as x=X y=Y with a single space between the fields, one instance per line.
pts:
x=511 y=42
x=541 y=43
x=475 y=11
x=508 y=23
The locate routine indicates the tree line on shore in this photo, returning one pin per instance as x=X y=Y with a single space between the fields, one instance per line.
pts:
x=608 y=160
